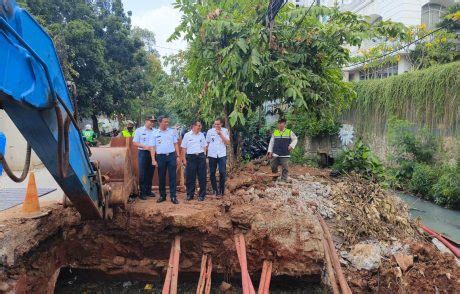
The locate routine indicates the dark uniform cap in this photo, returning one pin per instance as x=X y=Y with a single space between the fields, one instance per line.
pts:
x=151 y=118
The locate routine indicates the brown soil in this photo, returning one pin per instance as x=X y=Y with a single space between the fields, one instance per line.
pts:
x=137 y=241
x=432 y=272
x=277 y=220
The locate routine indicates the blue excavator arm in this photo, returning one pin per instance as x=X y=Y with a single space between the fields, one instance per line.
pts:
x=34 y=94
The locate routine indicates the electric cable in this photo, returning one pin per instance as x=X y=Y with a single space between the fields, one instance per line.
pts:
x=394 y=51
x=302 y=19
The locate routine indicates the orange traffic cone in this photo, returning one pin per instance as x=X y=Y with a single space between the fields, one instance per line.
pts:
x=31 y=206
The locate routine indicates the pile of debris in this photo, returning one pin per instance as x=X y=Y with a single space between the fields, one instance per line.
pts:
x=381 y=248
x=367 y=211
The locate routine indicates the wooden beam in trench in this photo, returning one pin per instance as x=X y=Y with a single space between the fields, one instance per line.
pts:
x=172 y=274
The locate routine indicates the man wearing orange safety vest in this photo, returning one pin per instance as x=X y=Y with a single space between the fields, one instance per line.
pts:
x=282 y=142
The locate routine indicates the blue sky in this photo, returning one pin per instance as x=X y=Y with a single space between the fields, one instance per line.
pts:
x=140 y=6
x=160 y=17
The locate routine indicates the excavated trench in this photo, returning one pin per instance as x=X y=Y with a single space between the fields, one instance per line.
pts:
x=136 y=244
x=370 y=229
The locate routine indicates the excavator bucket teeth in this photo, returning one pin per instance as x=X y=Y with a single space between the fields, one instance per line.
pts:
x=115 y=164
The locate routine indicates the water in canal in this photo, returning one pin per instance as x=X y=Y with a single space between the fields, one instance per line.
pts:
x=443 y=220
x=81 y=281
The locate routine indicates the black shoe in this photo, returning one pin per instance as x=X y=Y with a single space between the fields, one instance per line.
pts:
x=200 y=199
x=151 y=195
x=142 y=197
x=174 y=201
x=161 y=199
x=189 y=198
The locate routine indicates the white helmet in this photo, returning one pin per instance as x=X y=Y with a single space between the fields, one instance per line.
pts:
x=88 y=127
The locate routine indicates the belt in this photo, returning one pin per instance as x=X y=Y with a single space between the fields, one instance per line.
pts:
x=196 y=154
x=166 y=154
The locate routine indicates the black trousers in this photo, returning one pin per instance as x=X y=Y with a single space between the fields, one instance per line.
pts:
x=167 y=163
x=146 y=170
x=196 y=166
x=222 y=164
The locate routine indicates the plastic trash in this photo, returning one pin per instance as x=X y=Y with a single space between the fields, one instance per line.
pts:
x=127 y=284
x=148 y=288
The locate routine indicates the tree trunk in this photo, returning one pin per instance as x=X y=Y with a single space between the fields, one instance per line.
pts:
x=95 y=123
x=231 y=153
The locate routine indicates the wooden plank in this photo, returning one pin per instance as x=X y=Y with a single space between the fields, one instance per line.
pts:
x=334 y=257
x=262 y=278
x=175 y=271
x=244 y=276
x=268 y=276
x=167 y=284
x=245 y=262
x=208 y=276
x=330 y=270
x=200 y=287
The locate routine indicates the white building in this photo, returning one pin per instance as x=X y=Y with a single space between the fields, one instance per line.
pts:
x=16 y=145
x=408 y=12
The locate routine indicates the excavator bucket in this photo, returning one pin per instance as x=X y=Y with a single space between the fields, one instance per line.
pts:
x=115 y=165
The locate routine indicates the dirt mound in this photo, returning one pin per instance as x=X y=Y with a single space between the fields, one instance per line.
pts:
x=365 y=211
x=430 y=272
x=280 y=227
x=369 y=228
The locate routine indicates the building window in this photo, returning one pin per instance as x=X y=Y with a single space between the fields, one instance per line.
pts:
x=432 y=14
x=379 y=73
x=351 y=76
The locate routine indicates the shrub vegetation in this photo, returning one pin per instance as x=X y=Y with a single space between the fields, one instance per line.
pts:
x=413 y=165
x=359 y=158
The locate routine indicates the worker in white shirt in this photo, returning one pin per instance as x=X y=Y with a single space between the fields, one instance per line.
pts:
x=166 y=156
x=218 y=138
x=194 y=158
x=142 y=140
x=282 y=142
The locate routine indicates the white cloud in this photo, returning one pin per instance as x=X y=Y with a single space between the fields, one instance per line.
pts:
x=162 y=21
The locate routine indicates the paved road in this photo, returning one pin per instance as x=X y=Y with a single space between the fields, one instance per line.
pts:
x=44 y=182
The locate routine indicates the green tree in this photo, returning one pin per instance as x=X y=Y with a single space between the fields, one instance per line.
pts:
x=99 y=51
x=235 y=63
x=451 y=19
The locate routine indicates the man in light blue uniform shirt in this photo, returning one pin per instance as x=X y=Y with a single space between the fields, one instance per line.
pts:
x=194 y=158
x=142 y=140
x=218 y=138
x=166 y=155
